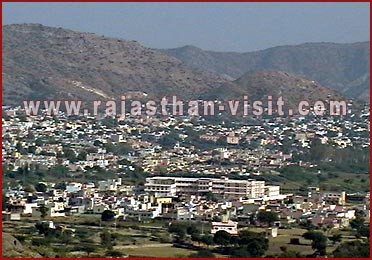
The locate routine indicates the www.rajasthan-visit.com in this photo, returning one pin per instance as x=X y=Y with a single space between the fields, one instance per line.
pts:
x=173 y=106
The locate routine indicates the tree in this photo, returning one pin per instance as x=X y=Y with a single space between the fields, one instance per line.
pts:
x=60 y=186
x=43 y=211
x=42 y=228
x=192 y=230
x=106 y=239
x=82 y=156
x=89 y=248
x=69 y=154
x=4 y=201
x=211 y=197
x=291 y=254
x=202 y=254
x=267 y=217
x=66 y=238
x=41 y=187
x=251 y=244
x=107 y=215
x=114 y=253
x=336 y=238
x=196 y=237
x=357 y=223
x=353 y=249
x=19 y=147
x=207 y=239
x=319 y=241
x=222 y=238
x=364 y=231
x=39 y=142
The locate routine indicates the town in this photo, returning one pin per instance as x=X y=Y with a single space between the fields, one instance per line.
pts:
x=186 y=186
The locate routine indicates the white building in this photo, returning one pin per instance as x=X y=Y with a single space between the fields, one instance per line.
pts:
x=109 y=185
x=172 y=186
x=230 y=227
x=53 y=209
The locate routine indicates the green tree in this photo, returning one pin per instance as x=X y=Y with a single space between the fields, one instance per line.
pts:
x=267 y=217
x=353 y=249
x=207 y=239
x=107 y=215
x=69 y=154
x=66 y=238
x=106 y=239
x=319 y=241
x=291 y=254
x=192 y=229
x=60 y=186
x=4 y=202
x=336 y=238
x=89 y=248
x=357 y=223
x=19 y=147
x=43 y=211
x=202 y=254
x=211 y=197
x=41 y=187
x=363 y=231
x=114 y=253
x=82 y=156
x=222 y=238
x=251 y=244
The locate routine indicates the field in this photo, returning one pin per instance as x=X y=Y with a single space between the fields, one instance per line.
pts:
x=138 y=240
x=283 y=239
x=163 y=251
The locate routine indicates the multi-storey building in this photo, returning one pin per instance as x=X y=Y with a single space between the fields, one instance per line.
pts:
x=172 y=186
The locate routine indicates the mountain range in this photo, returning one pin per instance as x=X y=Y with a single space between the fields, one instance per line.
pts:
x=343 y=67
x=41 y=62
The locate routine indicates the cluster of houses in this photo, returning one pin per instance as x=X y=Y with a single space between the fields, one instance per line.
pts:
x=249 y=149
x=169 y=146
x=187 y=199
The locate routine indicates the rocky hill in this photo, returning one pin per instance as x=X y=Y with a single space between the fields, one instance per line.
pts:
x=12 y=248
x=42 y=62
x=257 y=85
x=343 y=67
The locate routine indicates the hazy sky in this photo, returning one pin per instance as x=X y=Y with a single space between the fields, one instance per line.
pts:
x=212 y=26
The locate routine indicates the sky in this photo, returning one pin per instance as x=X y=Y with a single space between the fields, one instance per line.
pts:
x=211 y=26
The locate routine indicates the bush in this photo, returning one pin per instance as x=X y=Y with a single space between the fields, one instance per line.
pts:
x=40 y=242
x=114 y=253
x=294 y=241
x=202 y=254
x=107 y=215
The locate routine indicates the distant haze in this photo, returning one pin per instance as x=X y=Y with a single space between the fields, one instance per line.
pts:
x=212 y=26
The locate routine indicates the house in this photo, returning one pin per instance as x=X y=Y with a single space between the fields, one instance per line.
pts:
x=109 y=185
x=232 y=138
x=53 y=209
x=230 y=227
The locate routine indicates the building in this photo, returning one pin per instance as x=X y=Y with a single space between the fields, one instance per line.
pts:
x=232 y=138
x=173 y=186
x=272 y=191
x=230 y=227
x=336 y=198
x=109 y=185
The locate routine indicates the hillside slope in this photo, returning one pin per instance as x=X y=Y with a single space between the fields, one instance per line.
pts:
x=343 y=67
x=292 y=88
x=42 y=62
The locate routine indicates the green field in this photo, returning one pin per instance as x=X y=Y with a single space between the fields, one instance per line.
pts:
x=168 y=251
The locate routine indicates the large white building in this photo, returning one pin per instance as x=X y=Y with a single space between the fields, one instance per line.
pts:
x=230 y=227
x=172 y=186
